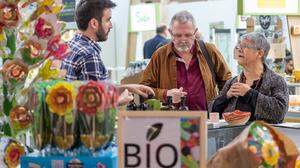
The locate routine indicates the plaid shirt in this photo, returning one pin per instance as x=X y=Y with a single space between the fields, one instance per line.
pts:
x=84 y=62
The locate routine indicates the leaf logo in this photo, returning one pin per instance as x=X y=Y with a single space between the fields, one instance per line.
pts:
x=154 y=131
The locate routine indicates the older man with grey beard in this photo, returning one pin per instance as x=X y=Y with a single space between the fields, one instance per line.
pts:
x=180 y=68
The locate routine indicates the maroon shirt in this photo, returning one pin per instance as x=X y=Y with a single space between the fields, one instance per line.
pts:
x=190 y=79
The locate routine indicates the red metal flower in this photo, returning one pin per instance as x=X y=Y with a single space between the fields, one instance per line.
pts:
x=13 y=153
x=43 y=29
x=57 y=48
x=91 y=98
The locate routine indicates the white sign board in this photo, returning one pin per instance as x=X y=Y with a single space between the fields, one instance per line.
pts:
x=271 y=6
x=162 y=139
x=142 y=17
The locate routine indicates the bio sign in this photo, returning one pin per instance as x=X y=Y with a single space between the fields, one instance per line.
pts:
x=162 y=139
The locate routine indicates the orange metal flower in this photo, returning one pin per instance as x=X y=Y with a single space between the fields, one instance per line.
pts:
x=20 y=118
x=9 y=14
x=15 y=70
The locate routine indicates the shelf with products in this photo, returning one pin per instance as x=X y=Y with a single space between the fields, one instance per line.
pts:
x=294 y=103
x=293 y=84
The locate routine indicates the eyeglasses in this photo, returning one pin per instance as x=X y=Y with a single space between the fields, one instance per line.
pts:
x=242 y=47
x=188 y=35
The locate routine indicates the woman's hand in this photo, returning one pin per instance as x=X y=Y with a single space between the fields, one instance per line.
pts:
x=238 y=89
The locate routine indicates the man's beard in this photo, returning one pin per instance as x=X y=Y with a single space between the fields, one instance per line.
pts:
x=101 y=35
x=183 y=47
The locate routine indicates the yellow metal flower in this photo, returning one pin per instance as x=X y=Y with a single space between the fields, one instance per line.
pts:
x=47 y=72
x=47 y=7
x=270 y=153
x=13 y=153
x=51 y=6
x=60 y=98
x=2 y=35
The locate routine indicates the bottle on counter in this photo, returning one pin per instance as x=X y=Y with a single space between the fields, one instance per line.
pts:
x=142 y=106
x=183 y=106
x=170 y=106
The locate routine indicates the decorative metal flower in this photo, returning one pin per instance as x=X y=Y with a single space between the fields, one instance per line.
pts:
x=45 y=7
x=9 y=14
x=32 y=51
x=297 y=162
x=47 y=26
x=48 y=71
x=15 y=70
x=270 y=153
x=20 y=118
x=2 y=35
x=57 y=48
x=13 y=153
x=91 y=98
x=60 y=98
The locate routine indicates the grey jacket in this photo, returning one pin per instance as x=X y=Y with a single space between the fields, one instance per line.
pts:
x=272 y=100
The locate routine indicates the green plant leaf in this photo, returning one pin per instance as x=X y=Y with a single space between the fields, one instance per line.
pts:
x=11 y=41
x=7 y=129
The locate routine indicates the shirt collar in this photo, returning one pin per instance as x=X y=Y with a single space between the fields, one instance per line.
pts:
x=90 y=41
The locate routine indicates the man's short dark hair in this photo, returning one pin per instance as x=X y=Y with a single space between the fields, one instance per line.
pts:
x=161 y=29
x=89 y=9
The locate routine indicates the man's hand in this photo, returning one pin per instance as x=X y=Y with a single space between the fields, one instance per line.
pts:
x=137 y=89
x=238 y=89
x=125 y=98
x=176 y=94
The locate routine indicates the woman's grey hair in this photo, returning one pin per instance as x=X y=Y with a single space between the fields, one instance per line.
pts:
x=183 y=17
x=259 y=40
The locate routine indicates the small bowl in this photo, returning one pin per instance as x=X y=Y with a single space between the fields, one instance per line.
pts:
x=237 y=117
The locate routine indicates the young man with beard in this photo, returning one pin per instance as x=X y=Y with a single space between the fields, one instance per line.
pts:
x=180 y=68
x=93 y=19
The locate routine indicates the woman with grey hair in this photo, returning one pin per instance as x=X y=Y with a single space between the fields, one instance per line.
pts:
x=257 y=89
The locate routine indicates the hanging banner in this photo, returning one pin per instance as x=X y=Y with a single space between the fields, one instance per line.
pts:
x=143 y=17
x=268 y=7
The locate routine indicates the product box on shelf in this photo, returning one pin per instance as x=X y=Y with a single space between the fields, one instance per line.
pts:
x=104 y=159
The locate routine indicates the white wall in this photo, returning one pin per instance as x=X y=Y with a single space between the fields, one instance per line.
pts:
x=115 y=48
x=207 y=12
